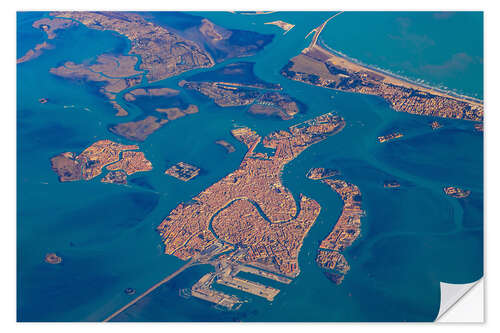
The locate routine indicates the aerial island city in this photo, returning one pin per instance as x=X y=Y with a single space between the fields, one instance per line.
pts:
x=219 y=158
x=249 y=217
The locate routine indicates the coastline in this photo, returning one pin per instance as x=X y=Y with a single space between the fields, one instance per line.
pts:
x=447 y=93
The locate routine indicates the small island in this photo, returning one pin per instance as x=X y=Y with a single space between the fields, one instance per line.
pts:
x=34 y=52
x=138 y=130
x=389 y=137
x=158 y=92
x=229 y=147
x=183 y=171
x=478 y=127
x=172 y=107
x=175 y=112
x=43 y=100
x=391 y=184
x=435 y=125
x=104 y=153
x=129 y=291
x=237 y=85
x=52 y=258
x=112 y=73
x=51 y=25
x=344 y=233
x=321 y=173
x=283 y=25
x=456 y=192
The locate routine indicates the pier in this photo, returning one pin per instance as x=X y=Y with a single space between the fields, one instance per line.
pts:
x=318 y=30
x=248 y=286
x=203 y=290
x=263 y=273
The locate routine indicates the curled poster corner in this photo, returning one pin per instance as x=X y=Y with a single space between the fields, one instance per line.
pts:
x=451 y=294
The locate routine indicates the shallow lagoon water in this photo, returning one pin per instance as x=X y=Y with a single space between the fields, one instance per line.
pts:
x=412 y=237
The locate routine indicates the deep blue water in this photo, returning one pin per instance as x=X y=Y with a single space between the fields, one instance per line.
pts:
x=412 y=237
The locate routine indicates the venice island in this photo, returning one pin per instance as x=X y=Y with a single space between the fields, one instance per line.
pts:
x=249 y=217
x=247 y=221
x=140 y=130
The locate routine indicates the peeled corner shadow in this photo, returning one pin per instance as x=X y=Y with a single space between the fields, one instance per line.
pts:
x=452 y=294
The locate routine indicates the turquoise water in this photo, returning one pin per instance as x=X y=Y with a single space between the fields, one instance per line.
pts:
x=443 y=49
x=412 y=237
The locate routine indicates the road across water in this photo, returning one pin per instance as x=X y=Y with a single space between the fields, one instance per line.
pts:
x=144 y=294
